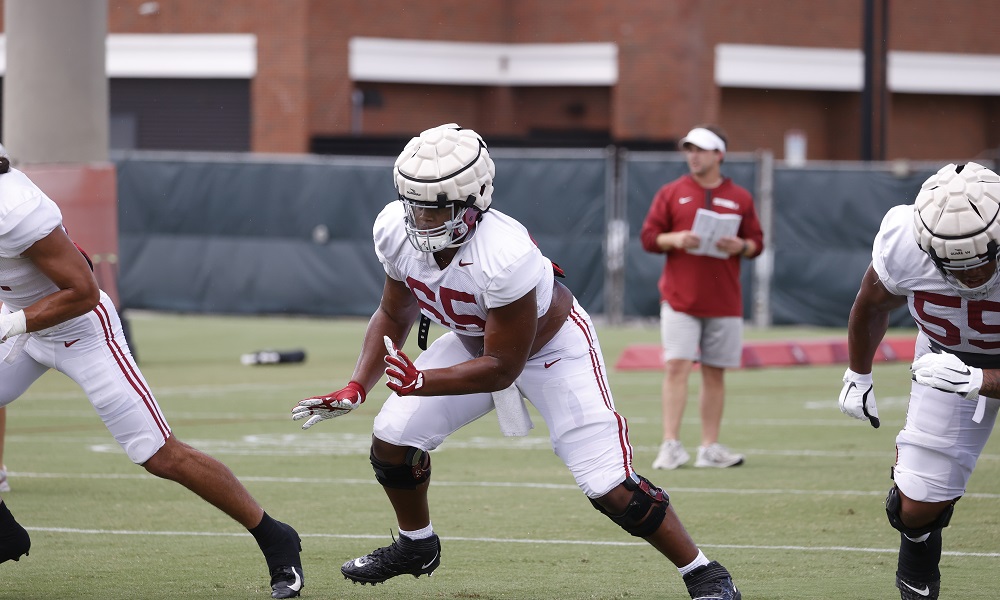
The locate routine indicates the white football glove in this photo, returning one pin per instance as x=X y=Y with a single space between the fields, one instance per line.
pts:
x=947 y=372
x=857 y=399
x=334 y=404
x=12 y=324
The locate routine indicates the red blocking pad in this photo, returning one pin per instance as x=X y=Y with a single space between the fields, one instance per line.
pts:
x=777 y=353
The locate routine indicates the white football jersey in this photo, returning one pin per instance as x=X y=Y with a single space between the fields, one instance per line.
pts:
x=953 y=322
x=500 y=264
x=26 y=216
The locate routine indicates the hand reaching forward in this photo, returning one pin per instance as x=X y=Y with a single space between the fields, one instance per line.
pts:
x=404 y=377
x=857 y=398
x=947 y=372
x=334 y=404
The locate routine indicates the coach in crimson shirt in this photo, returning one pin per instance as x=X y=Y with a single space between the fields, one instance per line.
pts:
x=701 y=310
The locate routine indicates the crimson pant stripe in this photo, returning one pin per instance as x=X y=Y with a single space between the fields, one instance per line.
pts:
x=602 y=383
x=129 y=370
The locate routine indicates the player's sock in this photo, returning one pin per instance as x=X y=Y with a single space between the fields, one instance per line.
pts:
x=918 y=561
x=419 y=534
x=699 y=561
x=279 y=545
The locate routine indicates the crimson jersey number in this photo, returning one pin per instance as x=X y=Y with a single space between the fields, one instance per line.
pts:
x=444 y=302
x=950 y=334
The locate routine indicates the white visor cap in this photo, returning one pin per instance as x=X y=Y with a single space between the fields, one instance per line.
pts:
x=704 y=139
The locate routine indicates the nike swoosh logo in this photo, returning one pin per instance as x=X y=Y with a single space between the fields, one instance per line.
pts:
x=864 y=405
x=926 y=591
x=685 y=199
x=297 y=586
x=464 y=264
x=965 y=372
x=360 y=562
x=68 y=344
x=549 y=364
x=431 y=562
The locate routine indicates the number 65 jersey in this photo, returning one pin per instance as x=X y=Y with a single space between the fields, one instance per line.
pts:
x=968 y=328
x=498 y=265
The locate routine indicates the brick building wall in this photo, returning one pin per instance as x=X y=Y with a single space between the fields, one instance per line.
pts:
x=666 y=80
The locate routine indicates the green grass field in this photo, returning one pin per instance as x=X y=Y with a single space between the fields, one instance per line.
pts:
x=802 y=519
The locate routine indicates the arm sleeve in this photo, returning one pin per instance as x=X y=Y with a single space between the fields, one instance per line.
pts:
x=657 y=221
x=879 y=256
x=750 y=228
x=884 y=259
x=27 y=222
x=516 y=280
x=384 y=236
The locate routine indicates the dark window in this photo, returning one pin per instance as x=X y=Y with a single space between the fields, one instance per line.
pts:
x=180 y=114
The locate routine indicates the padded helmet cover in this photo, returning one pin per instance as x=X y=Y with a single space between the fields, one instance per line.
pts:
x=956 y=214
x=448 y=160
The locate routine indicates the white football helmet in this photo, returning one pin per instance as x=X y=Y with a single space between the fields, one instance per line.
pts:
x=957 y=223
x=446 y=166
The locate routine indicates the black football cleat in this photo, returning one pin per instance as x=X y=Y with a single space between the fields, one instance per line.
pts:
x=403 y=557
x=14 y=543
x=914 y=590
x=286 y=582
x=711 y=582
x=287 y=579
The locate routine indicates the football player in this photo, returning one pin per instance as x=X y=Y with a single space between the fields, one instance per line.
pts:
x=451 y=257
x=54 y=316
x=939 y=257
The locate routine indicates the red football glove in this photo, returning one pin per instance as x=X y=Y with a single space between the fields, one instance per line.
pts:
x=404 y=377
x=335 y=404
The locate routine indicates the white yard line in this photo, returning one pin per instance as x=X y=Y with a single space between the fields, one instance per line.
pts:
x=482 y=484
x=479 y=540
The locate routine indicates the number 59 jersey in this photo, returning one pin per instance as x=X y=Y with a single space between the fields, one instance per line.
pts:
x=962 y=325
x=498 y=265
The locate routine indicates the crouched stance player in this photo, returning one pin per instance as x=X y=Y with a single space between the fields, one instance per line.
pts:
x=55 y=317
x=938 y=256
x=476 y=271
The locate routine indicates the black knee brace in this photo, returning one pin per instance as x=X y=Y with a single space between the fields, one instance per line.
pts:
x=415 y=471
x=646 y=510
x=892 y=505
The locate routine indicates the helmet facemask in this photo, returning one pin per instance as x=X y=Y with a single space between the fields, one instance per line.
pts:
x=456 y=229
x=957 y=223
x=953 y=270
x=444 y=167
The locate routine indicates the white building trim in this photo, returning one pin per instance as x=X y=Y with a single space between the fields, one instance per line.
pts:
x=473 y=63
x=161 y=55
x=794 y=68
x=932 y=73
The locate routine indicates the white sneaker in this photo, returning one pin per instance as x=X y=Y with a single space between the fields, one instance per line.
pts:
x=672 y=455
x=4 y=485
x=717 y=455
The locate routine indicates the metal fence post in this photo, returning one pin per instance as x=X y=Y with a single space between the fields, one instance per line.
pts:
x=616 y=237
x=763 y=267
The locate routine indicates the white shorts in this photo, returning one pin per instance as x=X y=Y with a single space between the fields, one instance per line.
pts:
x=92 y=351
x=716 y=341
x=940 y=443
x=566 y=381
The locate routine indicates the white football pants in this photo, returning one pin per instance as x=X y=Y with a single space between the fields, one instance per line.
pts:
x=92 y=351
x=566 y=381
